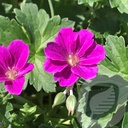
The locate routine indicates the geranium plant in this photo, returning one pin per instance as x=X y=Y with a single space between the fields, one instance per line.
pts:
x=63 y=64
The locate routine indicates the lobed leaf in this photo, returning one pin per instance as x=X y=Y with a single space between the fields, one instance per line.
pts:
x=122 y=5
x=40 y=29
x=32 y=20
x=125 y=120
x=39 y=78
x=117 y=60
x=10 y=30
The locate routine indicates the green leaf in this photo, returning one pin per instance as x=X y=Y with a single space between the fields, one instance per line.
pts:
x=2 y=87
x=5 y=114
x=90 y=2
x=40 y=30
x=125 y=120
x=39 y=78
x=10 y=30
x=117 y=60
x=53 y=26
x=100 y=99
x=9 y=108
x=28 y=110
x=32 y=20
x=107 y=68
x=122 y=5
x=7 y=7
x=4 y=97
x=4 y=123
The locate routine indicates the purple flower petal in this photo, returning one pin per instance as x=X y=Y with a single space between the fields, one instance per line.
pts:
x=67 y=40
x=5 y=58
x=66 y=77
x=3 y=77
x=15 y=86
x=27 y=68
x=85 y=41
x=20 y=51
x=86 y=72
x=52 y=66
x=96 y=56
x=54 y=52
x=84 y=35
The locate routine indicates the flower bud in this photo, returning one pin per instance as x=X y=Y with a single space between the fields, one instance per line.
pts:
x=59 y=99
x=71 y=104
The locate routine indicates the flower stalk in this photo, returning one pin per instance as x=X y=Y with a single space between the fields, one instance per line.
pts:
x=51 y=8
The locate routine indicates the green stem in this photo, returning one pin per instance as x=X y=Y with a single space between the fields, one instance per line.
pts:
x=75 y=123
x=51 y=8
x=78 y=89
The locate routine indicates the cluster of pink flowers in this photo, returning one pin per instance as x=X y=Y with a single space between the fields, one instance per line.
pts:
x=70 y=56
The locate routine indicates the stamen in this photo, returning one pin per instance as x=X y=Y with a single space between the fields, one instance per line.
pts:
x=73 y=60
x=11 y=73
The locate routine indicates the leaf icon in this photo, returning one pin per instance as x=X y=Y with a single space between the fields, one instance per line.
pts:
x=102 y=102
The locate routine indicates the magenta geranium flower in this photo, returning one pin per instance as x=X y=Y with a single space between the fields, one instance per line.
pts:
x=13 y=66
x=73 y=55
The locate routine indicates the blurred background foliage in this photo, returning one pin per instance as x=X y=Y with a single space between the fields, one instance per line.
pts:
x=103 y=17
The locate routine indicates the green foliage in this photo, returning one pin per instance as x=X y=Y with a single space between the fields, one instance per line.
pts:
x=125 y=120
x=40 y=29
x=116 y=61
x=10 y=30
x=33 y=21
x=104 y=24
x=103 y=100
x=5 y=109
x=90 y=2
x=39 y=78
x=27 y=110
x=122 y=5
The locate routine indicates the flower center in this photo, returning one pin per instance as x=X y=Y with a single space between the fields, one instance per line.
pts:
x=73 y=60
x=11 y=73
